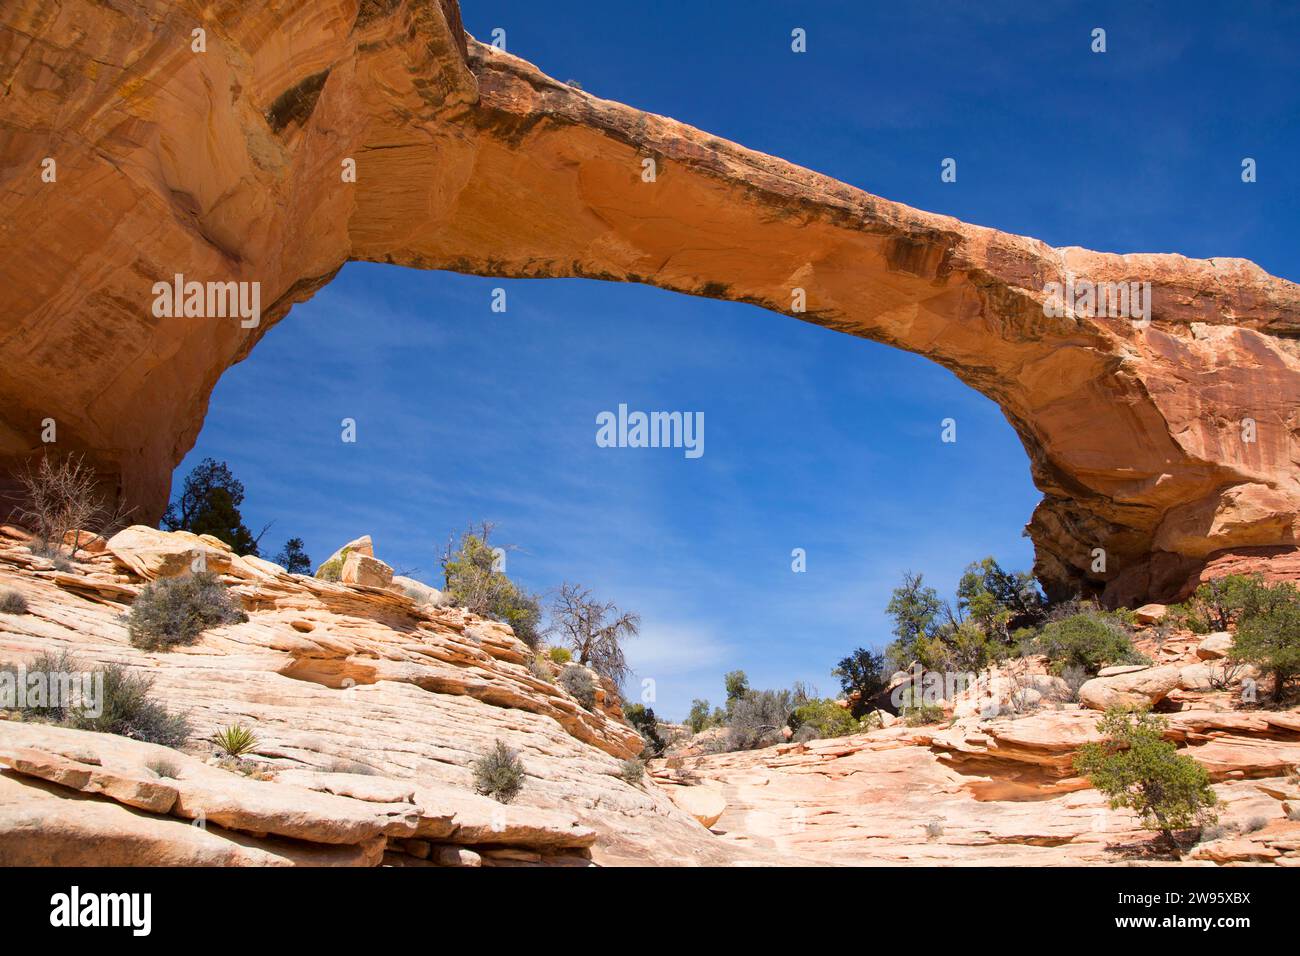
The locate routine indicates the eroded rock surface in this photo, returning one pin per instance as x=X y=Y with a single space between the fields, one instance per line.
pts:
x=227 y=166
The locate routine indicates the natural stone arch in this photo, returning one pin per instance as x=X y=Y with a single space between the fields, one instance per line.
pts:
x=226 y=165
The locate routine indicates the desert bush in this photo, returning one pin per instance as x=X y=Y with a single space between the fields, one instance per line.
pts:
x=1254 y=824
x=129 y=710
x=474 y=581
x=823 y=718
x=1090 y=639
x=559 y=655
x=538 y=667
x=1137 y=768
x=164 y=768
x=1218 y=604
x=934 y=829
x=350 y=766
x=174 y=611
x=52 y=664
x=698 y=717
x=862 y=675
x=59 y=495
x=1075 y=676
x=12 y=602
x=643 y=719
x=499 y=773
x=632 y=772
x=577 y=680
x=235 y=740
x=736 y=685
x=1268 y=634
x=756 y=719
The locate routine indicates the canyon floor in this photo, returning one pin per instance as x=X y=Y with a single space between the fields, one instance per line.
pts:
x=370 y=706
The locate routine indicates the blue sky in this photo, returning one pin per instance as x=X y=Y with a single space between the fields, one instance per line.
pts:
x=812 y=440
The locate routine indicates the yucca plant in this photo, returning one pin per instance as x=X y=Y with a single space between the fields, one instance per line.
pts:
x=235 y=740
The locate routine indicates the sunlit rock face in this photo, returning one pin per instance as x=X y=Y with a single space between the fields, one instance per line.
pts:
x=1165 y=437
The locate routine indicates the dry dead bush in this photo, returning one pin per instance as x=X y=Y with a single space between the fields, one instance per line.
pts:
x=61 y=494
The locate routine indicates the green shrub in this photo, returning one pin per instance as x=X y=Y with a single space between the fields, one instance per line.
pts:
x=1090 y=640
x=559 y=655
x=235 y=740
x=1218 y=604
x=699 y=718
x=822 y=718
x=1137 y=768
x=647 y=725
x=1272 y=640
x=129 y=710
x=632 y=772
x=577 y=680
x=474 y=582
x=175 y=611
x=12 y=602
x=499 y=773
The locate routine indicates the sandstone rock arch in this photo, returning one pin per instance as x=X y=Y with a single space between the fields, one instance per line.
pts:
x=226 y=165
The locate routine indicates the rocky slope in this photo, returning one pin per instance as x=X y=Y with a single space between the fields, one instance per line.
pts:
x=352 y=691
x=992 y=784
x=226 y=165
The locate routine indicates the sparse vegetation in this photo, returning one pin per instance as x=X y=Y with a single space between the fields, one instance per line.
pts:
x=699 y=718
x=756 y=719
x=594 y=630
x=559 y=655
x=934 y=829
x=59 y=495
x=475 y=579
x=12 y=602
x=863 y=675
x=294 y=558
x=1089 y=640
x=499 y=773
x=235 y=741
x=539 y=668
x=577 y=680
x=1137 y=768
x=129 y=710
x=643 y=719
x=350 y=766
x=822 y=717
x=209 y=504
x=164 y=768
x=1268 y=634
x=632 y=772
x=175 y=611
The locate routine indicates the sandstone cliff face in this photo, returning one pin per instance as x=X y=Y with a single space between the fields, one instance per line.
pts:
x=225 y=165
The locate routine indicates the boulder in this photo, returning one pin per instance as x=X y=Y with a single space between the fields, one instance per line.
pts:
x=1150 y=614
x=1141 y=688
x=1214 y=646
x=417 y=591
x=86 y=541
x=1115 y=669
x=703 y=803
x=153 y=554
x=364 y=570
x=361 y=545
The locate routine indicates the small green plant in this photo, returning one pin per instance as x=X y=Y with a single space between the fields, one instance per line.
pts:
x=128 y=709
x=577 y=680
x=235 y=740
x=164 y=768
x=1137 y=768
x=559 y=655
x=499 y=773
x=175 y=611
x=632 y=772
x=12 y=602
